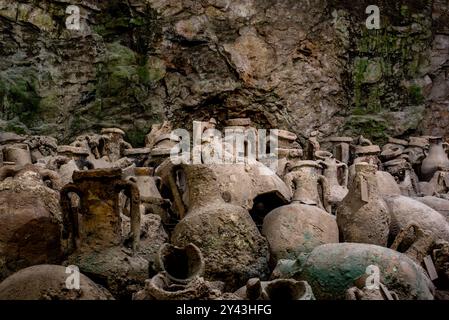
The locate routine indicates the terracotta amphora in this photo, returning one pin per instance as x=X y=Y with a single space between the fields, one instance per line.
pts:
x=296 y=229
x=219 y=229
x=363 y=215
x=94 y=229
x=331 y=270
x=99 y=221
x=48 y=282
x=435 y=160
x=18 y=153
x=280 y=290
x=336 y=173
x=30 y=218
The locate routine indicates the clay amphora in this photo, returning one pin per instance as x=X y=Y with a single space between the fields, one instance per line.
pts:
x=280 y=290
x=341 y=148
x=18 y=153
x=287 y=158
x=285 y=138
x=48 y=282
x=99 y=223
x=312 y=146
x=404 y=175
x=435 y=160
x=405 y=210
x=162 y=148
x=90 y=142
x=438 y=185
x=156 y=131
x=367 y=153
x=161 y=287
x=219 y=229
x=113 y=144
x=296 y=229
x=331 y=269
x=140 y=156
x=99 y=248
x=30 y=218
x=336 y=173
x=363 y=215
x=146 y=182
x=248 y=185
x=72 y=159
x=307 y=183
x=151 y=201
x=79 y=155
x=181 y=264
x=237 y=131
x=391 y=151
x=414 y=242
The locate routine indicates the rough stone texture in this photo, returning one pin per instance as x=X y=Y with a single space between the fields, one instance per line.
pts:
x=299 y=66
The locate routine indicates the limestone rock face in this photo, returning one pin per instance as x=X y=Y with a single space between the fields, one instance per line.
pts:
x=299 y=66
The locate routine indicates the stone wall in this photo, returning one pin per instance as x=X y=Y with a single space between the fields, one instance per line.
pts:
x=295 y=65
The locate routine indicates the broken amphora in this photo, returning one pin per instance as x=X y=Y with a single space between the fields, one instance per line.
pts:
x=276 y=290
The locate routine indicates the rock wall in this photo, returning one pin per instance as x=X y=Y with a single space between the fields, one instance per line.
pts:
x=297 y=65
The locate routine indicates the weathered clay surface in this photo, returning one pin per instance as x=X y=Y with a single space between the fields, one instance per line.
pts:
x=30 y=220
x=233 y=249
x=48 y=282
x=405 y=210
x=160 y=287
x=331 y=269
x=296 y=229
x=438 y=204
x=281 y=290
x=363 y=215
